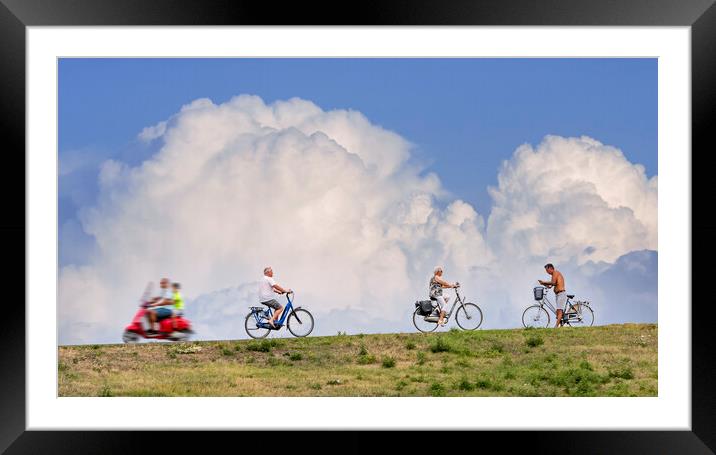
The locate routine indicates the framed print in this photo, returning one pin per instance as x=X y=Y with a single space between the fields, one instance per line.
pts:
x=356 y=156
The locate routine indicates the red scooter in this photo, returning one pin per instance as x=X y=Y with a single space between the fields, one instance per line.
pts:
x=167 y=331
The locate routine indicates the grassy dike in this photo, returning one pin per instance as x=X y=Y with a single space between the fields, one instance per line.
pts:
x=614 y=360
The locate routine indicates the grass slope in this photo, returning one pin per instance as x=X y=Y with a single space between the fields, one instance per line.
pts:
x=615 y=360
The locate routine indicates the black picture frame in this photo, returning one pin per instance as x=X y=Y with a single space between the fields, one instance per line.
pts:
x=16 y=15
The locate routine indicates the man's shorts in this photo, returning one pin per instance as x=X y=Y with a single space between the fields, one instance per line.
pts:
x=163 y=313
x=272 y=304
x=561 y=300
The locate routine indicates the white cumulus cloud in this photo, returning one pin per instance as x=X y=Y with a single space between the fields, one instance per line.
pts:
x=150 y=133
x=334 y=204
x=327 y=198
x=572 y=198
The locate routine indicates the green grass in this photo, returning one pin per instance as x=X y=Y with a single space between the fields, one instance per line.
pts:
x=534 y=341
x=615 y=360
x=441 y=345
x=105 y=392
x=421 y=358
x=437 y=389
x=366 y=359
x=388 y=362
x=263 y=345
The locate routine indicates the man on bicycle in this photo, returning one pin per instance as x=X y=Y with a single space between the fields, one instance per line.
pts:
x=267 y=287
x=559 y=290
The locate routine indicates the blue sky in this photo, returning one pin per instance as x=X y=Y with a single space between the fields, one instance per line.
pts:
x=464 y=116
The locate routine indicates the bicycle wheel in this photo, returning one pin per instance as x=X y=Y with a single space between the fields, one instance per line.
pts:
x=535 y=316
x=421 y=324
x=469 y=316
x=252 y=329
x=586 y=319
x=300 y=322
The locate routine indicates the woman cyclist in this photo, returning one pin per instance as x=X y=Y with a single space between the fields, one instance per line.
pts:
x=436 y=292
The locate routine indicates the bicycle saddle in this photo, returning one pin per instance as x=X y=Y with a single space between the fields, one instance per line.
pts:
x=433 y=298
x=570 y=296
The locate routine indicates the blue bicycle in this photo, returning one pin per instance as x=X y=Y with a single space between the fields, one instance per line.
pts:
x=300 y=321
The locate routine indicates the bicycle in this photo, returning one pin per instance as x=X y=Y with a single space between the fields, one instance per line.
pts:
x=299 y=321
x=470 y=313
x=579 y=313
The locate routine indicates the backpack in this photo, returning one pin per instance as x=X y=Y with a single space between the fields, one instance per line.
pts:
x=425 y=307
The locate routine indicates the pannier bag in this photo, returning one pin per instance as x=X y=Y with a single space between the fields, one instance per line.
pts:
x=539 y=293
x=425 y=307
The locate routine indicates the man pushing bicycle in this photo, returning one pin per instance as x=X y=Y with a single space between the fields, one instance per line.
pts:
x=559 y=290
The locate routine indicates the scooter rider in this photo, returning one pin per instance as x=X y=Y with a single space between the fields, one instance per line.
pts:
x=163 y=304
x=178 y=309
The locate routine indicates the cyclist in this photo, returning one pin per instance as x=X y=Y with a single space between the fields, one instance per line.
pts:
x=164 y=302
x=559 y=290
x=267 y=287
x=436 y=292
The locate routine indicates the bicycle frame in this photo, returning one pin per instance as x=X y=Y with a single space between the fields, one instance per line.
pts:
x=458 y=298
x=268 y=313
x=552 y=308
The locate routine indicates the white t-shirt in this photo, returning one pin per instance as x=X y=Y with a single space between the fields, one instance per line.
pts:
x=166 y=294
x=266 y=288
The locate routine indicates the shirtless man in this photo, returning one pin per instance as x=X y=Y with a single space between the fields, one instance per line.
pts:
x=559 y=291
